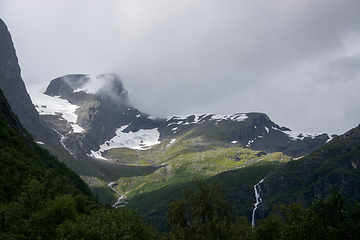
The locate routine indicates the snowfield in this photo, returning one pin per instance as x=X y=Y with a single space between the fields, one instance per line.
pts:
x=239 y=117
x=47 y=105
x=140 y=140
x=300 y=135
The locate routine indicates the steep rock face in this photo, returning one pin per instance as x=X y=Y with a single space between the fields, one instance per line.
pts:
x=333 y=166
x=14 y=90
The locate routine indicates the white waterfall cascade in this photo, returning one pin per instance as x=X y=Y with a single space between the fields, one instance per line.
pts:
x=258 y=200
x=121 y=201
x=62 y=142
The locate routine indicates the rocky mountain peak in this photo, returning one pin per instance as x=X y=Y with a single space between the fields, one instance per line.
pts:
x=73 y=87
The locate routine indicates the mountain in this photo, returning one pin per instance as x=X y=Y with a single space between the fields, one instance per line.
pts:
x=113 y=141
x=101 y=106
x=97 y=123
x=99 y=117
x=138 y=154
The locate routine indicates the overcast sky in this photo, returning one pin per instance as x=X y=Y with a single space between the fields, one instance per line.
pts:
x=296 y=60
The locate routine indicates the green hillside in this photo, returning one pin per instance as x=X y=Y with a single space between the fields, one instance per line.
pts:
x=334 y=166
x=152 y=199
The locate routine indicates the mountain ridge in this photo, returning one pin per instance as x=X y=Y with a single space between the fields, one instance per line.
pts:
x=170 y=150
x=123 y=113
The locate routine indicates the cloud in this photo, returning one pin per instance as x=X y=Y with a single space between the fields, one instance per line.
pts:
x=297 y=61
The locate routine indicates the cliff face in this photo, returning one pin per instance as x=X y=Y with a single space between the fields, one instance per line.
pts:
x=15 y=92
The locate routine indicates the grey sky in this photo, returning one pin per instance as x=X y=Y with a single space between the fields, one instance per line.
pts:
x=296 y=60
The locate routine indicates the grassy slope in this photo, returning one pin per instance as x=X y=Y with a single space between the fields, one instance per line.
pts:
x=191 y=155
x=237 y=185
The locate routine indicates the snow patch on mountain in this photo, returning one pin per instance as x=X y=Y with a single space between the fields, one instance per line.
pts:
x=250 y=142
x=200 y=118
x=171 y=142
x=300 y=136
x=330 y=137
x=76 y=128
x=174 y=129
x=152 y=117
x=47 y=105
x=239 y=117
x=140 y=140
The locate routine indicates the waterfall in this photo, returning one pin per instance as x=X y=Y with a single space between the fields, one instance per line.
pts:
x=121 y=201
x=258 y=200
x=62 y=142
